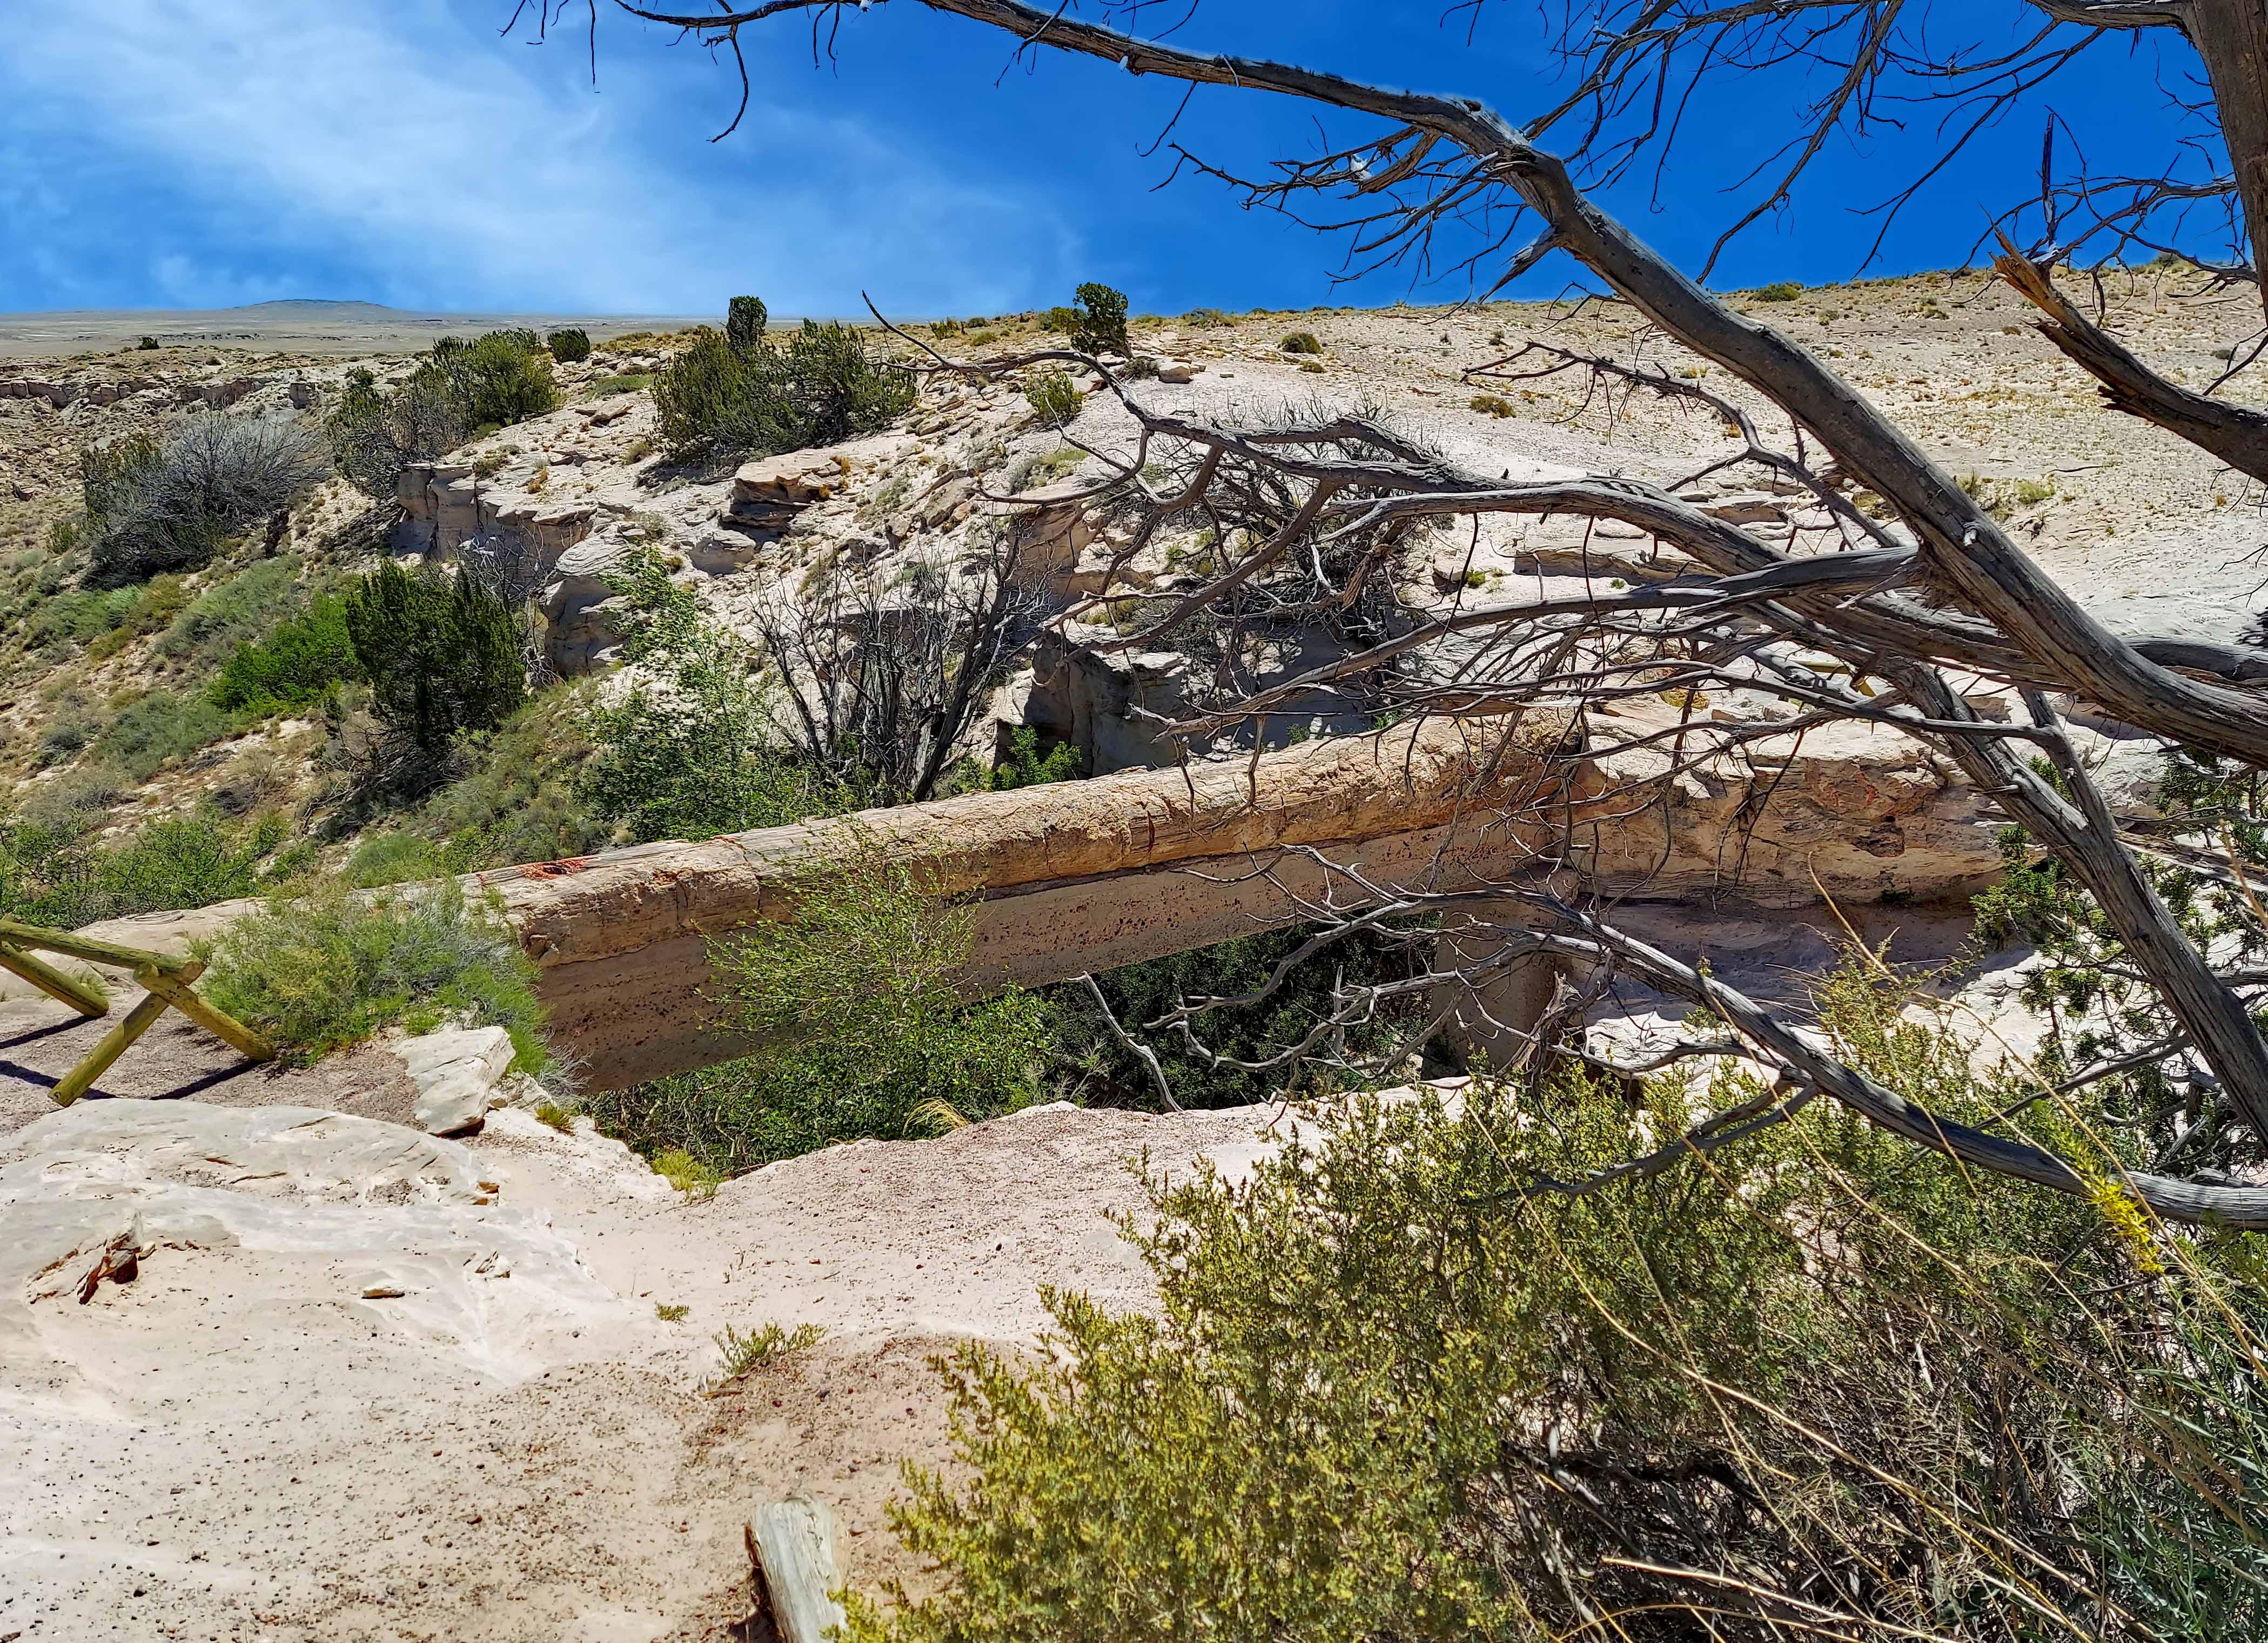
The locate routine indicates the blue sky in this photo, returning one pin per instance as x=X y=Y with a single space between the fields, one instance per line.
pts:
x=154 y=154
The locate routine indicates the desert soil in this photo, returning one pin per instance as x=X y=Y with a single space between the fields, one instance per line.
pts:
x=447 y=1408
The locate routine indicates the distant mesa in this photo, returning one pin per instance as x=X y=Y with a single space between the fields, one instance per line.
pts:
x=318 y=308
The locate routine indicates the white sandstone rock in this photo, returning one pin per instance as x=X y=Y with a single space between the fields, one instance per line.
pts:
x=459 y=1074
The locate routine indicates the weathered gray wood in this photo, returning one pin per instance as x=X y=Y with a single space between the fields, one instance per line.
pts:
x=798 y=1550
x=2236 y=434
x=2231 y=37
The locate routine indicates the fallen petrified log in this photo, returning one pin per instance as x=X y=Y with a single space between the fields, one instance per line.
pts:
x=1086 y=876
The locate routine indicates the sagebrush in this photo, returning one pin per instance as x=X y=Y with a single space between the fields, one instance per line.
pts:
x=1411 y=1380
x=318 y=973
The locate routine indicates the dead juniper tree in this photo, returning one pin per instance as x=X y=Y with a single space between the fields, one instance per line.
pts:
x=1901 y=600
x=885 y=668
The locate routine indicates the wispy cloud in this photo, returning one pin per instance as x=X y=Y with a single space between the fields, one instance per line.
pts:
x=239 y=149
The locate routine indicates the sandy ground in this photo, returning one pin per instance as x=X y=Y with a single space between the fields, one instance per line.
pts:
x=371 y=1385
x=40 y=1042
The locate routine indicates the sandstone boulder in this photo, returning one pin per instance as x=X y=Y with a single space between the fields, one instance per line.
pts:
x=459 y=1074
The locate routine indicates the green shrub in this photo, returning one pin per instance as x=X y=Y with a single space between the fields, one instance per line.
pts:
x=861 y=1031
x=110 y=476
x=744 y=319
x=688 y=1174
x=160 y=728
x=1053 y=396
x=1303 y=342
x=375 y=435
x=56 y=872
x=165 y=507
x=569 y=345
x=393 y=857
x=157 y=605
x=688 y=760
x=1778 y=291
x=147 y=342
x=458 y=388
x=1064 y=320
x=1099 y=323
x=300 y=662
x=1253 y=1033
x=79 y=616
x=715 y=402
x=1396 y=1386
x=319 y=973
x=1023 y=766
x=743 y=1355
x=1206 y=319
x=230 y=611
x=442 y=653
x=518 y=798
x=67 y=729
x=629 y=382
x=500 y=377
x=193 y=860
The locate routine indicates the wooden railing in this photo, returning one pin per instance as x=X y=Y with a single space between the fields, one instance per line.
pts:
x=167 y=982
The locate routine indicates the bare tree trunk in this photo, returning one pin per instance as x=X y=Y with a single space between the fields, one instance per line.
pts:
x=2231 y=37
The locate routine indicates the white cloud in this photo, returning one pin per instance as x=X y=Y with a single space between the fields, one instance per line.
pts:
x=397 y=150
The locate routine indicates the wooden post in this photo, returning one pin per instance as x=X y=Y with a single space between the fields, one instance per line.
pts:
x=176 y=991
x=166 y=981
x=54 y=982
x=81 y=1078
x=72 y=945
x=796 y=1544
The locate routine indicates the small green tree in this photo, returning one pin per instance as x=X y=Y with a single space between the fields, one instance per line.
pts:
x=855 y=1002
x=716 y=402
x=746 y=318
x=499 y=378
x=1099 y=320
x=442 y=654
x=459 y=388
x=682 y=754
x=374 y=435
x=831 y=388
x=569 y=345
